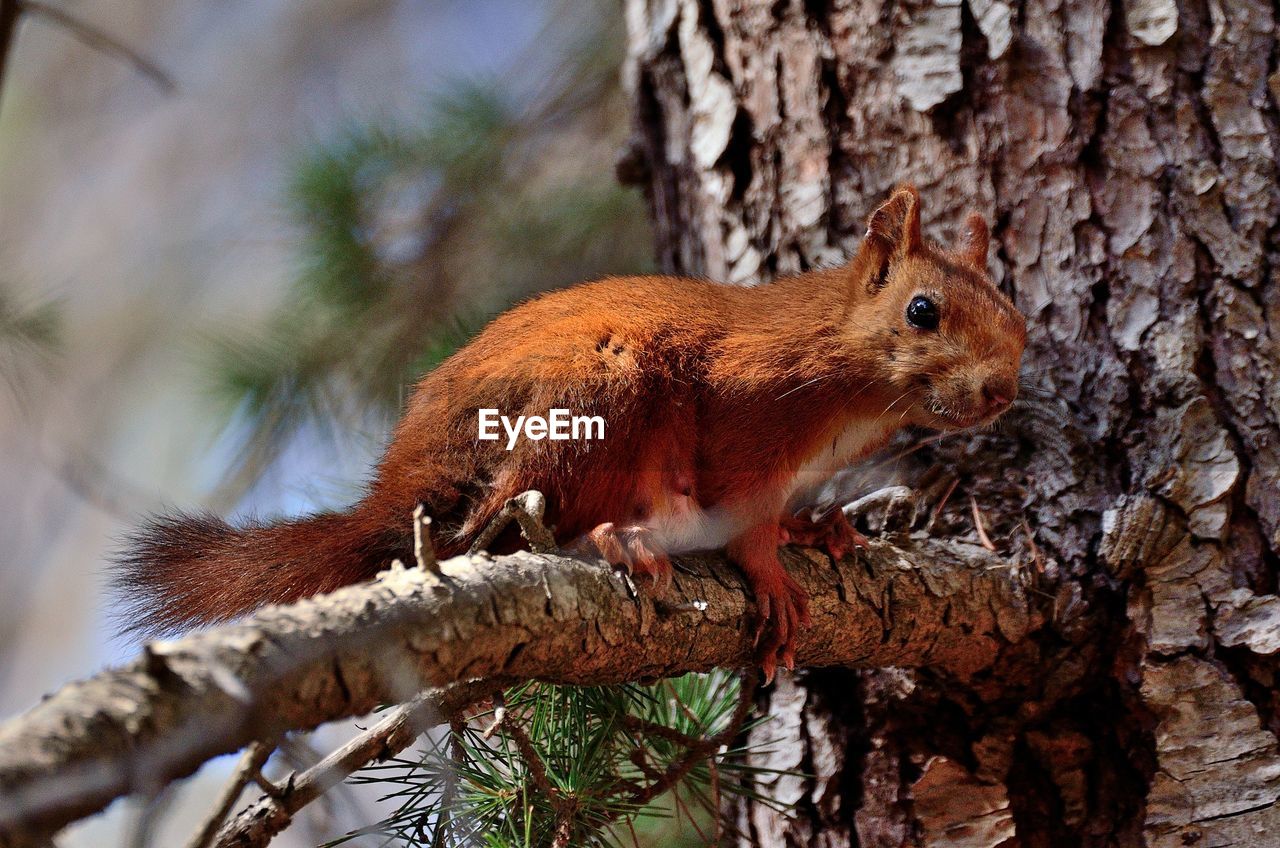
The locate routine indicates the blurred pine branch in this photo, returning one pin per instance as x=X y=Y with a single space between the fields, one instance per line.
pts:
x=412 y=235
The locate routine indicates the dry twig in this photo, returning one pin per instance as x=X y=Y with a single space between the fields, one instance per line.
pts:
x=527 y=509
x=942 y=503
x=10 y=11
x=445 y=823
x=1035 y=549
x=423 y=551
x=250 y=766
x=101 y=41
x=499 y=715
x=262 y=820
x=983 y=538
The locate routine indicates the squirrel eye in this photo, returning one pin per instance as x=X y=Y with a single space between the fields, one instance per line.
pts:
x=922 y=313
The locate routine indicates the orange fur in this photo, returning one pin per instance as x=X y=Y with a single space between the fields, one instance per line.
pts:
x=721 y=404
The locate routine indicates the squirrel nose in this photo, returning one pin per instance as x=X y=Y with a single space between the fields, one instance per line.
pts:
x=998 y=393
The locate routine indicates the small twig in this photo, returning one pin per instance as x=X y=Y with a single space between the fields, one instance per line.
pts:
x=423 y=551
x=449 y=793
x=640 y=761
x=983 y=538
x=891 y=499
x=257 y=824
x=564 y=805
x=10 y=11
x=103 y=42
x=269 y=788
x=499 y=714
x=942 y=502
x=675 y=696
x=255 y=756
x=565 y=809
x=704 y=748
x=526 y=509
x=537 y=768
x=717 y=810
x=300 y=752
x=1035 y=549
x=662 y=731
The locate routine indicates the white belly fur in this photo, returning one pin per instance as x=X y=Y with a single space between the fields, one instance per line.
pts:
x=688 y=527
x=859 y=438
x=684 y=526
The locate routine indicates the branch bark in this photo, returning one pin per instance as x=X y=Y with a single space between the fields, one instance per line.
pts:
x=488 y=622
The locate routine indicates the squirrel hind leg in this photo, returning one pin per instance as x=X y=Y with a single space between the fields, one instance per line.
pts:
x=634 y=548
x=782 y=606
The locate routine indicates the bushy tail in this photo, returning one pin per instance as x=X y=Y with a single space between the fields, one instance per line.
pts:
x=183 y=570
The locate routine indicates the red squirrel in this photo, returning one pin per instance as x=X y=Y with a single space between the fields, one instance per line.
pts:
x=721 y=404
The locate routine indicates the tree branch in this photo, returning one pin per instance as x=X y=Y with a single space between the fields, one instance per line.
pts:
x=10 y=11
x=99 y=40
x=486 y=622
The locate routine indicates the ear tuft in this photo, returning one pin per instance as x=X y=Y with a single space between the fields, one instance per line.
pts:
x=977 y=238
x=896 y=224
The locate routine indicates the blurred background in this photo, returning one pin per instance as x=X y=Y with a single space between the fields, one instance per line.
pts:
x=220 y=275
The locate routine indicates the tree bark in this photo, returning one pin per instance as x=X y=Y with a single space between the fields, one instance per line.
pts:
x=1125 y=153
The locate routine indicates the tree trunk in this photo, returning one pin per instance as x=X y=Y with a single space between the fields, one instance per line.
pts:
x=1125 y=153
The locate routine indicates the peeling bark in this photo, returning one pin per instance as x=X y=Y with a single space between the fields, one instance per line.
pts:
x=1126 y=154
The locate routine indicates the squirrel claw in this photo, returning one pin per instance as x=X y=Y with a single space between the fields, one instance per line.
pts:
x=782 y=610
x=634 y=549
x=768 y=665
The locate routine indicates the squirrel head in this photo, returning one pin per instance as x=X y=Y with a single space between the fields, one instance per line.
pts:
x=949 y=342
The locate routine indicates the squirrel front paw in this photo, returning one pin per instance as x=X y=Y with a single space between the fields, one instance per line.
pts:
x=832 y=532
x=634 y=549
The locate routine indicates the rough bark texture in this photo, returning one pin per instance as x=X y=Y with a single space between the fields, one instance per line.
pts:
x=490 y=622
x=1126 y=155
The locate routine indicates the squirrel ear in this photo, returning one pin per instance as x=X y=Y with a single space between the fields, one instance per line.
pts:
x=976 y=239
x=893 y=231
x=896 y=224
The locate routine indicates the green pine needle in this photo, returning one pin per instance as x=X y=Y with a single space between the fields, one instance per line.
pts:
x=581 y=736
